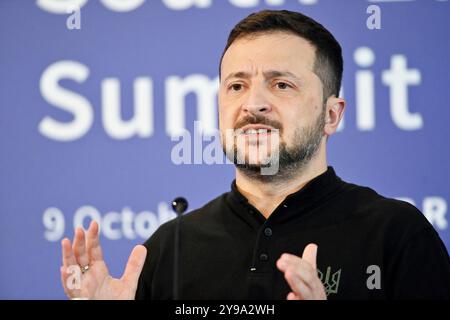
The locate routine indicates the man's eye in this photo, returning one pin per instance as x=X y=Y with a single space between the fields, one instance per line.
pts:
x=282 y=85
x=236 y=86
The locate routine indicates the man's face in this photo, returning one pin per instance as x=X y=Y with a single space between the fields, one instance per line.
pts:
x=267 y=82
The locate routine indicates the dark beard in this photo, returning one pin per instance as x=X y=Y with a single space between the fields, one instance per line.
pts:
x=291 y=160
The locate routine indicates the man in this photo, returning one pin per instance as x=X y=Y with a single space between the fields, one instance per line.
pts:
x=297 y=233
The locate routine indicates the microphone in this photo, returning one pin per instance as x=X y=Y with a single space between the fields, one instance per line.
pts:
x=179 y=205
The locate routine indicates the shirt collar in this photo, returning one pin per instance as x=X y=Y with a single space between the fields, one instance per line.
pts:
x=314 y=191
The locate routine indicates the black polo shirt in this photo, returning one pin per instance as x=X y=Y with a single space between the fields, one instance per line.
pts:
x=369 y=247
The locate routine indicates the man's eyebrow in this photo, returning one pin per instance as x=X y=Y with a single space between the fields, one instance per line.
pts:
x=239 y=74
x=276 y=73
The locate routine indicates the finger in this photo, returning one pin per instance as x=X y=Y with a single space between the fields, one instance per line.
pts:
x=93 y=247
x=310 y=254
x=289 y=263
x=292 y=296
x=79 y=248
x=289 y=260
x=134 y=266
x=297 y=285
x=64 y=277
x=68 y=258
x=64 y=280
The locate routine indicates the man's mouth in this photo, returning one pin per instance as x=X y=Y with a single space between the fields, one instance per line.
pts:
x=252 y=130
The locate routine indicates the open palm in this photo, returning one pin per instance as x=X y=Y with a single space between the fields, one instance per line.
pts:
x=96 y=282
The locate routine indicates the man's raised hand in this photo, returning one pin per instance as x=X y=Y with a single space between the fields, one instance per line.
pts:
x=301 y=275
x=84 y=274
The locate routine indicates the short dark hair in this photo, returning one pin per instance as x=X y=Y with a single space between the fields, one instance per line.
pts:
x=328 y=64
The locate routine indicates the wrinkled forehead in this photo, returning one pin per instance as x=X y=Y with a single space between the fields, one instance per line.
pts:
x=273 y=51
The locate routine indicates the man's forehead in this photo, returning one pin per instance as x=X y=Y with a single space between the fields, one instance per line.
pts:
x=275 y=51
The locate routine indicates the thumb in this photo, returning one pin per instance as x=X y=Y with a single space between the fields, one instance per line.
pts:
x=134 y=265
x=310 y=254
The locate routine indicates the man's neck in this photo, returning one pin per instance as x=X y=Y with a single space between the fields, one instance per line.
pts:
x=267 y=196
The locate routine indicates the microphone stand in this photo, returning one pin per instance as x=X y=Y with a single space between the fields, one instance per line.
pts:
x=179 y=205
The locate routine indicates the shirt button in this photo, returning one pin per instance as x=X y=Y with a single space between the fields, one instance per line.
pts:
x=285 y=205
x=263 y=257
x=268 y=232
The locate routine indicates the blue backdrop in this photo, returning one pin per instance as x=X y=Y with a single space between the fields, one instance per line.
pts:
x=89 y=100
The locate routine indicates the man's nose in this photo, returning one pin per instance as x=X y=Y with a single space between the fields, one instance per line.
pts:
x=257 y=102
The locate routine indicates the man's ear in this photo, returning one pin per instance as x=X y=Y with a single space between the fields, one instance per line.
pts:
x=334 y=111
